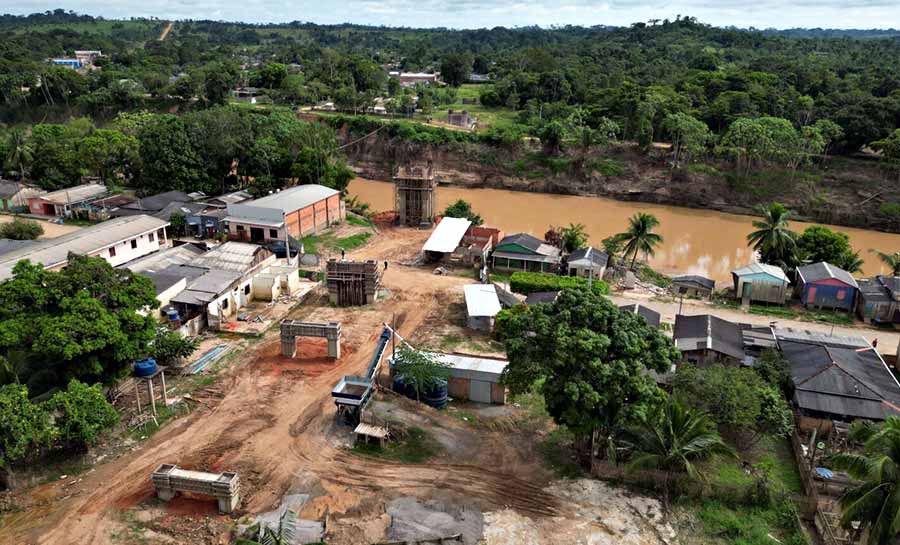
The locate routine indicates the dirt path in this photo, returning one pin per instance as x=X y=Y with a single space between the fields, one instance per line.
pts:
x=275 y=421
x=166 y=31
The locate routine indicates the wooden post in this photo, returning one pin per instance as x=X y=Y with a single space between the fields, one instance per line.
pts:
x=162 y=378
x=152 y=399
x=137 y=394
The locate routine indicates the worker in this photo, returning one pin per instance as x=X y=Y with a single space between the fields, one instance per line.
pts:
x=385 y=265
x=342 y=255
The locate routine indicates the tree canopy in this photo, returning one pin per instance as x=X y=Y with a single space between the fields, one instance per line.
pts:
x=587 y=359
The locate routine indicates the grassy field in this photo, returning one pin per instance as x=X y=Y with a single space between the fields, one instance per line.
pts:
x=315 y=243
x=488 y=117
x=416 y=447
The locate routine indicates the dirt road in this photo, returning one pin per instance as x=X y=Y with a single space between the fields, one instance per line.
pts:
x=166 y=31
x=274 y=424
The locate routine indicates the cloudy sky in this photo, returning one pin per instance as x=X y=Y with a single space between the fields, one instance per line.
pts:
x=489 y=13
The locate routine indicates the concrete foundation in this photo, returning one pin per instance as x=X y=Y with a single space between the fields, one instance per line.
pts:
x=169 y=479
x=291 y=329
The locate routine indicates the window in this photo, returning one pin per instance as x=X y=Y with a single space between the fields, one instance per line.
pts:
x=161 y=234
x=247 y=289
x=225 y=303
x=112 y=252
x=240 y=228
x=134 y=244
x=273 y=233
x=150 y=237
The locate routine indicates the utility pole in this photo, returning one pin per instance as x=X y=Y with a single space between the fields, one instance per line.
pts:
x=590 y=270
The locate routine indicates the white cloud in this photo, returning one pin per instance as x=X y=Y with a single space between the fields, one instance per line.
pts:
x=510 y=13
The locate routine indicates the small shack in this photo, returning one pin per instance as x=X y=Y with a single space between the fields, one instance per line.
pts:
x=693 y=285
x=823 y=285
x=446 y=238
x=705 y=339
x=475 y=378
x=482 y=305
x=588 y=261
x=760 y=282
x=879 y=299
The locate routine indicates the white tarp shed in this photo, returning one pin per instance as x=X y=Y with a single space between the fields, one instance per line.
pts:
x=447 y=235
x=481 y=300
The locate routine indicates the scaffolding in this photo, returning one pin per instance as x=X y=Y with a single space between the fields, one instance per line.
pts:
x=352 y=283
x=414 y=195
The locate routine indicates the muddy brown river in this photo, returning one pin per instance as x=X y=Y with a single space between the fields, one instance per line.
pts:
x=694 y=241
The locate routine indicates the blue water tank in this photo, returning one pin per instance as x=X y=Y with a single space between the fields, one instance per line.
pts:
x=436 y=394
x=144 y=367
x=172 y=315
x=400 y=386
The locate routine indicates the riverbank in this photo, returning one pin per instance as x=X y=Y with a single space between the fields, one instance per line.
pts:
x=695 y=241
x=852 y=192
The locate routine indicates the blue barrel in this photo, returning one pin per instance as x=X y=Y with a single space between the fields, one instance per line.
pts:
x=400 y=386
x=144 y=367
x=436 y=395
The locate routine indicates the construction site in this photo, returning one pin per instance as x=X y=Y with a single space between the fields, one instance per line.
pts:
x=275 y=428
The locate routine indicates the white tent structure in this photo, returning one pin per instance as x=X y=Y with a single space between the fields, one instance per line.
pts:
x=447 y=236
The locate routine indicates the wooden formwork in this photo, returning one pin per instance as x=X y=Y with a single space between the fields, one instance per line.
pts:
x=352 y=283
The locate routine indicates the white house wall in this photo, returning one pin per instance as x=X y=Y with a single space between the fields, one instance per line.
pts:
x=124 y=251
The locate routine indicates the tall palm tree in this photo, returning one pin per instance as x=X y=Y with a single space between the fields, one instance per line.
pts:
x=673 y=441
x=852 y=262
x=875 y=502
x=19 y=155
x=640 y=238
x=774 y=241
x=892 y=260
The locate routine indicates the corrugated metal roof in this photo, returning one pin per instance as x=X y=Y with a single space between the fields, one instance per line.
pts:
x=294 y=198
x=650 y=316
x=231 y=255
x=77 y=193
x=473 y=367
x=708 y=332
x=536 y=245
x=447 y=235
x=824 y=271
x=756 y=268
x=539 y=297
x=599 y=257
x=788 y=334
x=842 y=381
x=701 y=281
x=157 y=261
x=55 y=251
x=481 y=300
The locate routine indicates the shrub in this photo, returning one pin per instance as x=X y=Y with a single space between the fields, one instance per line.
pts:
x=21 y=229
x=82 y=412
x=526 y=282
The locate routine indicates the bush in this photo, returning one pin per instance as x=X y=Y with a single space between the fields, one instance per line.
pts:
x=24 y=426
x=21 y=229
x=526 y=282
x=81 y=412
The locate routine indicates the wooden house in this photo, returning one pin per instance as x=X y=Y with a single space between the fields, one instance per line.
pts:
x=823 y=285
x=761 y=282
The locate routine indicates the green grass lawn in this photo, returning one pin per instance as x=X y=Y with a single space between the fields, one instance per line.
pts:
x=415 y=448
x=790 y=313
x=491 y=117
x=315 y=243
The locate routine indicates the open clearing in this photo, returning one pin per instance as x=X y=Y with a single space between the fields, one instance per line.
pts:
x=273 y=422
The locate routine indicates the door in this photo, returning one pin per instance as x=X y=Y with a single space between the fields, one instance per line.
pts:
x=257 y=234
x=480 y=391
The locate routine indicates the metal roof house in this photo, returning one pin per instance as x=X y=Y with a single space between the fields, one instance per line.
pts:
x=117 y=241
x=475 y=378
x=445 y=238
x=705 y=340
x=14 y=195
x=523 y=252
x=693 y=285
x=761 y=282
x=879 y=299
x=831 y=383
x=587 y=261
x=650 y=316
x=62 y=201
x=302 y=210
x=823 y=285
x=482 y=305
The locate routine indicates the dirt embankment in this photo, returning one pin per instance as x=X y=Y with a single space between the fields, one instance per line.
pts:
x=842 y=191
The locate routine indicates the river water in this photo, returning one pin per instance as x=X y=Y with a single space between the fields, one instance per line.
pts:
x=694 y=241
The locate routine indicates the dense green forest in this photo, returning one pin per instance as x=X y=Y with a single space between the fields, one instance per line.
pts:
x=754 y=97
